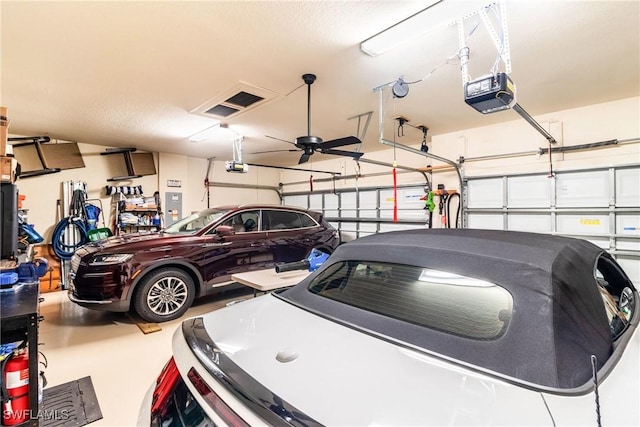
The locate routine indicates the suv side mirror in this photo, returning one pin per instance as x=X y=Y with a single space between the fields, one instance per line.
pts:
x=225 y=230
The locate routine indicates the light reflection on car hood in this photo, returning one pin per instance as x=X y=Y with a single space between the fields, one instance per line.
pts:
x=128 y=241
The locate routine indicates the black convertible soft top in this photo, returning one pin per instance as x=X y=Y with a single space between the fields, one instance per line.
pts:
x=558 y=320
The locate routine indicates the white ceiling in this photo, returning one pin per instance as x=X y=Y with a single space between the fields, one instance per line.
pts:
x=129 y=74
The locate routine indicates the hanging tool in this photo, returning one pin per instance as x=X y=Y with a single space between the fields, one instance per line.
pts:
x=395 y=192
x=429 y=205
x=453 y=195
x=444 y=205
x=443 y=196
x=423 y=147
x=315 y=259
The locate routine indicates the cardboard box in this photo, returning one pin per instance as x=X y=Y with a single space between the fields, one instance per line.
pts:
x=143 y=206
x=4 y=129
x=8 y=166
x=51 y=281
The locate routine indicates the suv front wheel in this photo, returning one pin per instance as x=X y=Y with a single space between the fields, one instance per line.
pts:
x=164 y=295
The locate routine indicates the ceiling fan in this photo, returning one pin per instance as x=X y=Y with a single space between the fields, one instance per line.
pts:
x=310 y=144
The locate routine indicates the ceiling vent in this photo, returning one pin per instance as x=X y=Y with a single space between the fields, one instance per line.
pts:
x=243 y=97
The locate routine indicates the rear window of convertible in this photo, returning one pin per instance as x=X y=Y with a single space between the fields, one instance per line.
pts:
x=439 y=300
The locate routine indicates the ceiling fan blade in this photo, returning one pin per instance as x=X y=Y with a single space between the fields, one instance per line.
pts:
x=278 y=139
x=356 y=155
x=304 y=158
x=340 y=142
x=275 y=151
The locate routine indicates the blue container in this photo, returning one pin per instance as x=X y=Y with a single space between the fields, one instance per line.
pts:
x=30 y=232
x=8 y=278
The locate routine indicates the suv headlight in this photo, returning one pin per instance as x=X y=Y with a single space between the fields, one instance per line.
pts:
x=111 y=259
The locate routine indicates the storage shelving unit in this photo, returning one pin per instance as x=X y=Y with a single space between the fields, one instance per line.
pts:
x=141 y=213
x=19 y=322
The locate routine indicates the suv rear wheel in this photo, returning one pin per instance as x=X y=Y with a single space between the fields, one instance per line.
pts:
x=164 y=295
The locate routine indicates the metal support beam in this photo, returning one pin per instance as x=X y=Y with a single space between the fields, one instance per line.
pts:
x=518 y=109
x=246 y=186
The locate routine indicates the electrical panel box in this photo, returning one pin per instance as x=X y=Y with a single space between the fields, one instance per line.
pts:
x=490 y=93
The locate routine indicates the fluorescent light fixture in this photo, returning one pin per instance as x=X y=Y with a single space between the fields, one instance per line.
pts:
x=207 y=133
x=428 y=19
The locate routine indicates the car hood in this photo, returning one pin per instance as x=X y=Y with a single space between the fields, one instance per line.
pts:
x=134 y=242
x=342 y=376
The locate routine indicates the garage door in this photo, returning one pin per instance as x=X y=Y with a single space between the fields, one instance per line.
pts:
x=359 y=212
x=599 y=205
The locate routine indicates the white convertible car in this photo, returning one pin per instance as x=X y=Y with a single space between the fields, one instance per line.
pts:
x=420 y=327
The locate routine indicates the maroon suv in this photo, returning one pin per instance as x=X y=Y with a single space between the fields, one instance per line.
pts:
x=160 y=274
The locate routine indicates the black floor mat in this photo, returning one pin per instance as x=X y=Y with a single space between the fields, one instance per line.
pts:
x=71 y=404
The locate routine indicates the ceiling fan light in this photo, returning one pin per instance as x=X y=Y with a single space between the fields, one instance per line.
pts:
x=208 y=133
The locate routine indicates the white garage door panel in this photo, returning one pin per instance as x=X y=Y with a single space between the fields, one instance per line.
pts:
x=386 y=213
x=631 y=266
x=386 y=199
x=368 y=227
x=529 y=192
x=628 y=187
x=409 y=198
x=601 y=205
x=331 y=201
x=368 y=200
x=300 y=201
x=414 y=215
x=347 y=236
x=349 y=226
x=582 y=224
x=628 y=224
x=628 y=244
x=331 y=213
x=583 y=189
x=522 y=222
x=348 y=213
x=485 y=193
x=315 y=202
x=489 y=222
x=348 y=201
x=602 y=243
x=395 y=227
x=365 y=213
x=362 y=233
x=404 y=215
x=348 y=231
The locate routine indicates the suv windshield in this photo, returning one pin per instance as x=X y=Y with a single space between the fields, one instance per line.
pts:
x=439 y=300
x=195 y=222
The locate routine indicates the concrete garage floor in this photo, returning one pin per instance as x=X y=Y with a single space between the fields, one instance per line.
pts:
x=121 y=360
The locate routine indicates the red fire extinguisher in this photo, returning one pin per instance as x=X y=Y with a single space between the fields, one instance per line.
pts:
x=15 y=408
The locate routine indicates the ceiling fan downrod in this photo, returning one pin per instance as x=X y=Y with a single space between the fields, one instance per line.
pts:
x=309 y=79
